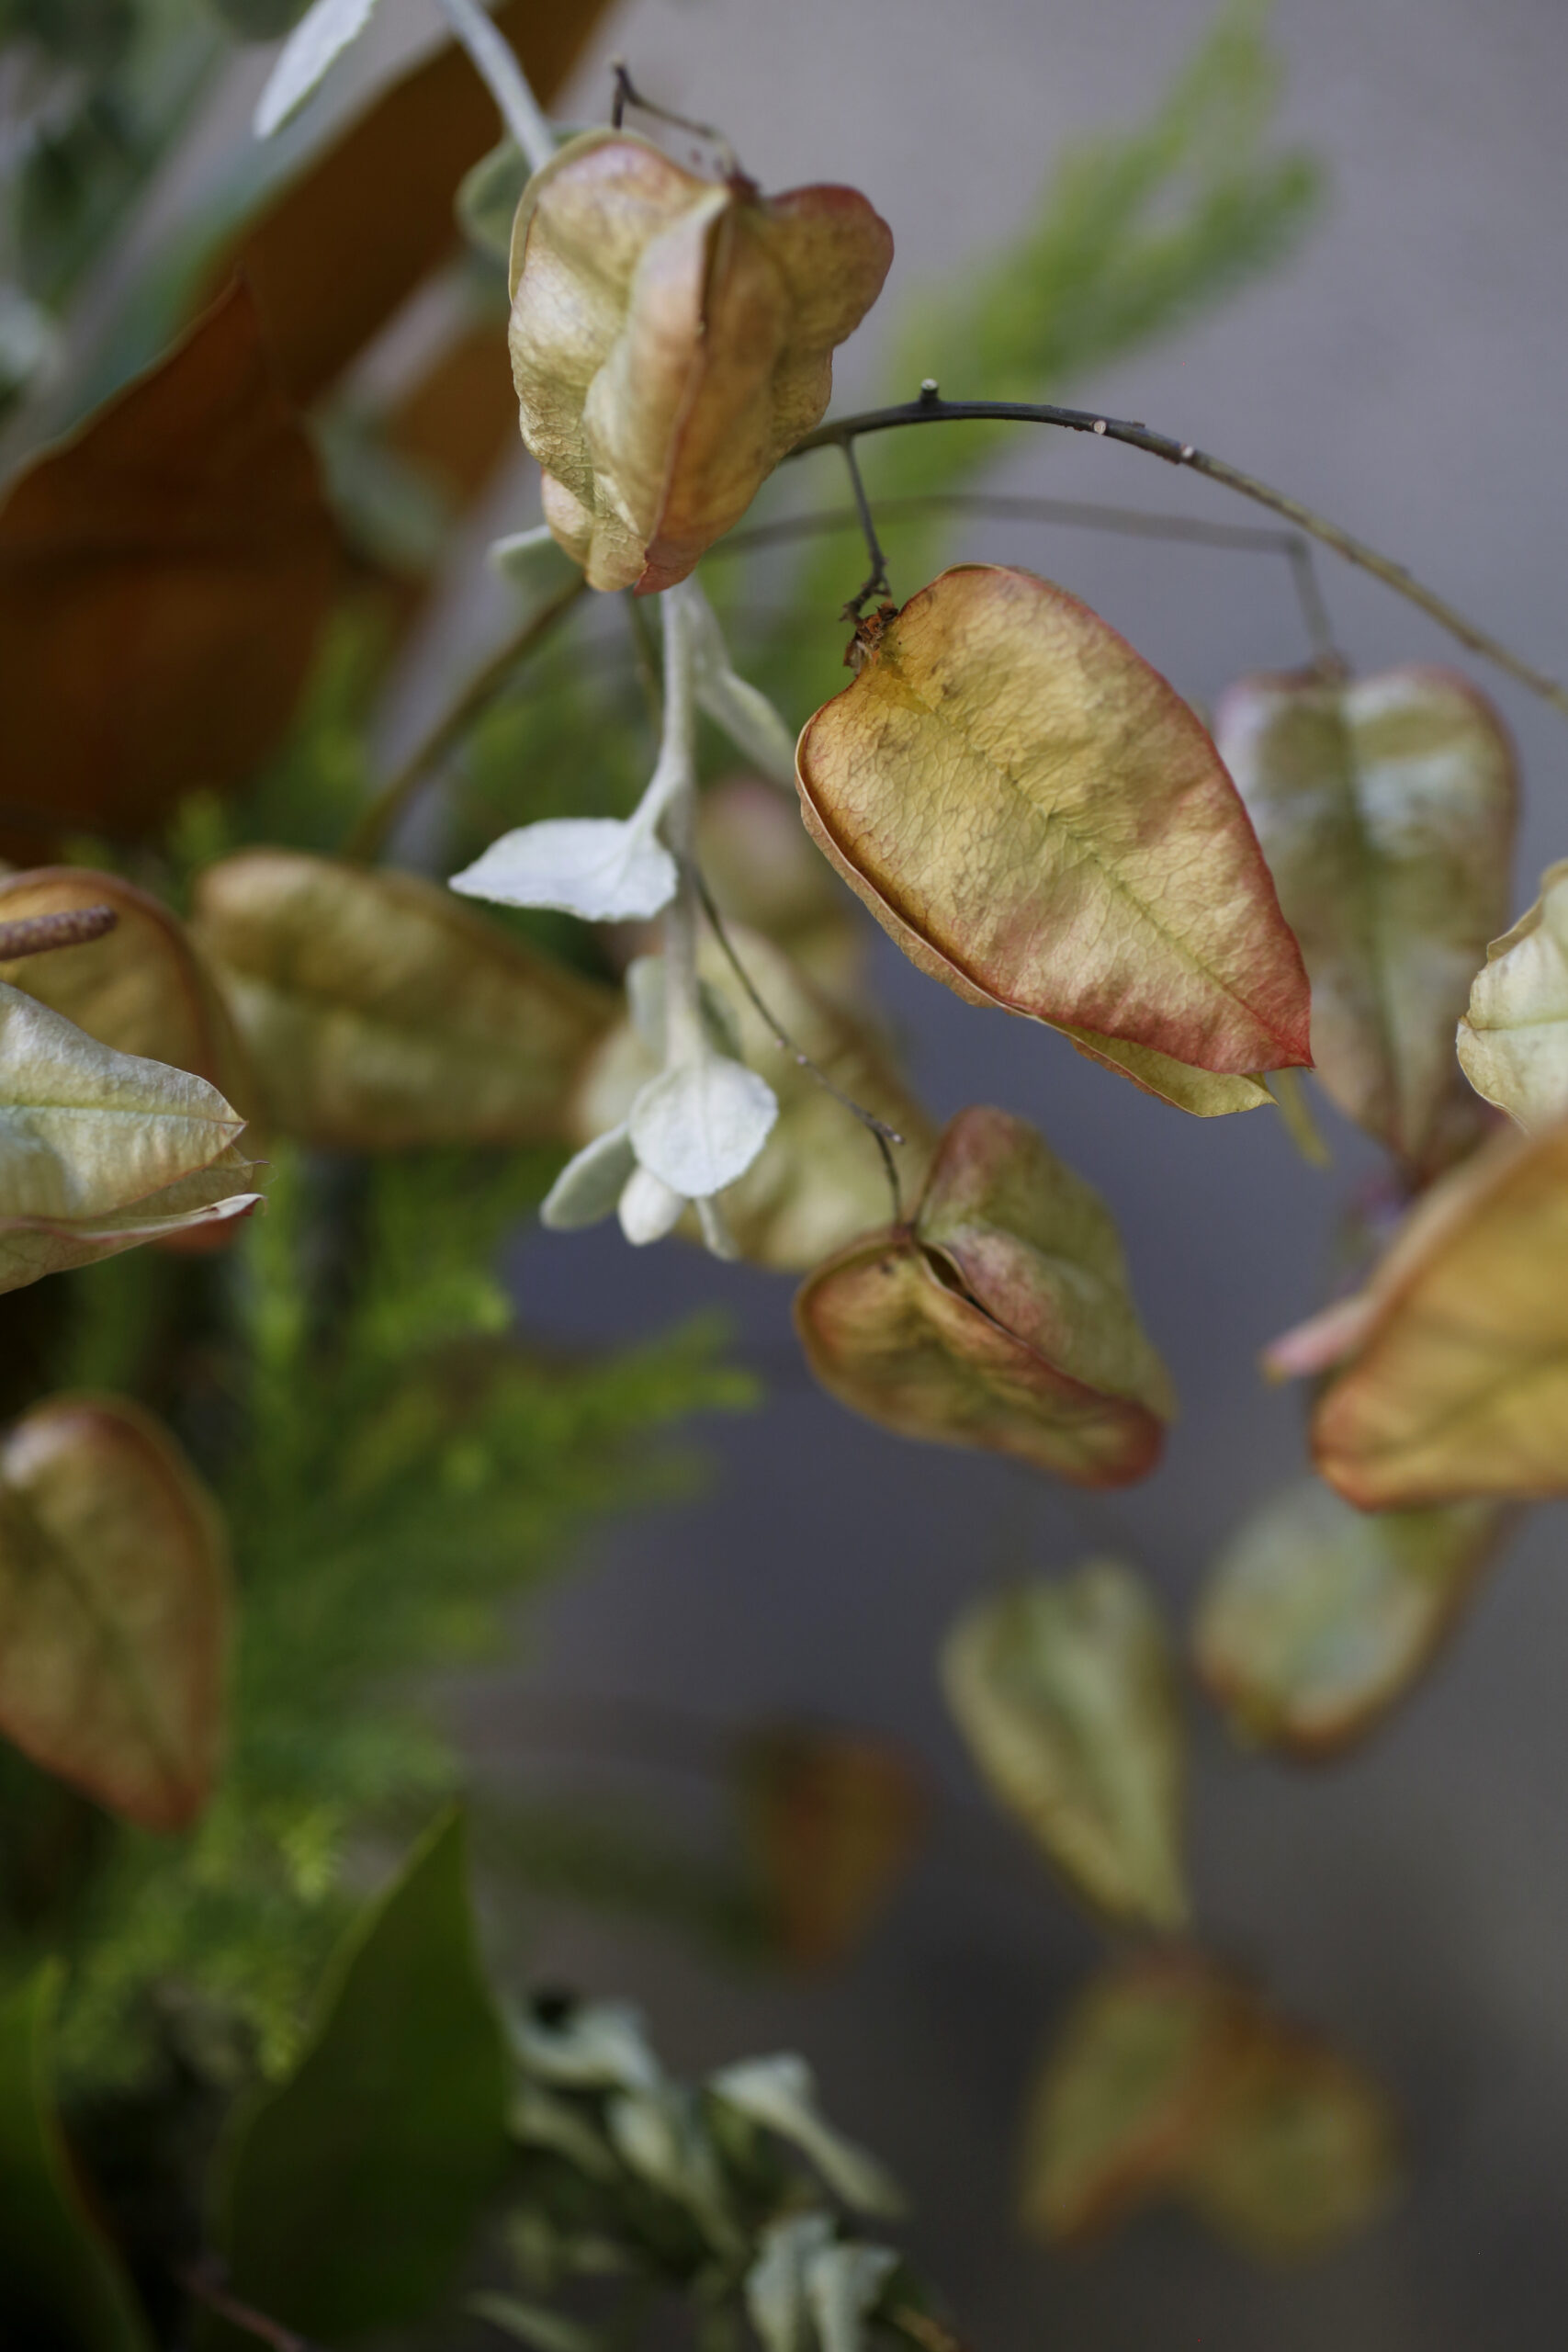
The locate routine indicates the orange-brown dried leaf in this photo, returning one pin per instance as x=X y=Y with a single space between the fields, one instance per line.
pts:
x=1132 y=2082
x=832 y=1820
x=672 y=337
x=1171 y=2079
x=379 y=1014
x=115 y=1609
x=1037 y=819
x=142 y=988
x=163 y=575
x=999 y=1319
x=1456 y=1385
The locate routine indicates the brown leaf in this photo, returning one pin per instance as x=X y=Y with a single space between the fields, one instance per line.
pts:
x=349 y=238
x=999 y=1319
x=1131 y=2082
x=1456 y=1385
x=1066 y=1693
x=1318 y=1620
x=103 y=1149
x=1305 y=2154
x=1037 y=819
x=1386 y=809
x=142 y=988
x=671 y=338
x=1171 y=2079
x=114 y=1609
x=163 y=574
x=831 y=1820
x=381 y=1013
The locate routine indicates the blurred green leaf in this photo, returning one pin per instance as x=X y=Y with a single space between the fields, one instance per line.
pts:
x=351 y=2190
x=1066 y=1693
x=61 y=2287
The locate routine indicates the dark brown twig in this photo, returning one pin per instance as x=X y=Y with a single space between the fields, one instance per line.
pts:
x=71 y=927
x=1074 y=514
x=628 y=95
x=882 y=1135
x=875 y=582
x=930 y=409
x=920 y=2328
x=204 y=2281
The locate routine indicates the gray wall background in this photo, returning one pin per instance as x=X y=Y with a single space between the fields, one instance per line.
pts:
x=1406 y=374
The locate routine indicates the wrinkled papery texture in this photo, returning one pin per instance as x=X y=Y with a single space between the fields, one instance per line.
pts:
x=100 y=1151
x=818 y=1180
x=1458 y=1385
x=115 y=1609
x=672 y=337
x=61 y=2284
x=1039 y=821
x=831 y=1820
x=349 y=2190
x=1170 y=2079
x=142 y=988
x=381 y=1014
x=1318 y=1620
x=1067 y=1695
x=1000 y=1318
x=1512 y=1041
x=163 y=574
x=1386 y=808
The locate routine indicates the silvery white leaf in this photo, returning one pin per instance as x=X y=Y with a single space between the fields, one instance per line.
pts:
x=536 y=2324
x=776 y=2284
x=322 y=33
x=606 y=869
x=533 y=563
x=649 y=1208
x=538 y=2119
x=590 y=1185
x=843 y=2282
x=701 y=1124
x=781 y=2094
x=645 y=1000
x=29 y=339
x=660 y=2135
x=741 y=709
x=718 y=1240
x=599 y=2045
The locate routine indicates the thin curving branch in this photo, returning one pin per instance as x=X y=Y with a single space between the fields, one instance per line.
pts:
x=1074 y=514
x=931 y=408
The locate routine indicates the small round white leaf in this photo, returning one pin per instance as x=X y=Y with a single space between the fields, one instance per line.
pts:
x=321 y=35
x=649 y=1208
x=588 y=1187
x=700 y=1125
x=606 y=869
x=779 y=2093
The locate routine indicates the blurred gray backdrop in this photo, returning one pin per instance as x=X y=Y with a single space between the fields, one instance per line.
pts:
x=1406 y=374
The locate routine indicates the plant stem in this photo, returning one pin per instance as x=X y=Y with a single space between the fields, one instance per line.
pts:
x=684 y=1040
x=1074 y=514
x=527 y=125
x=881 y=1134
x=370 y=833
x=71 y=927
x=930 y=409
